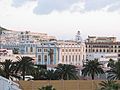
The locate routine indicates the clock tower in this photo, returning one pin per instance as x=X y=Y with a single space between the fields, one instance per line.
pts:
x=78 y=37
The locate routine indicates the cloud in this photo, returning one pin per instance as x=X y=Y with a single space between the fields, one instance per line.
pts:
x=47 y=6
x=19 y=3
x=92 y=5
x=114 y=7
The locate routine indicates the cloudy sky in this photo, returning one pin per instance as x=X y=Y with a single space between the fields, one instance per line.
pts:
x=62 y=18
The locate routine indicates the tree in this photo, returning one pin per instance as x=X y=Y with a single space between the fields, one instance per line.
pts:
x=92 y=68
x=39 y=74
x=51 y=75
x=111 y=63
x=114 y=72
x=109 y=85
x=67 y=72
x=25 y=65
x=15 y=51
x=48 y=87
x=8 y=69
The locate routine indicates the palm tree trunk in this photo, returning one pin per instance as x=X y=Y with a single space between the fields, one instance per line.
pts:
x=67 y=77
x=23 y=73
x=92 y=76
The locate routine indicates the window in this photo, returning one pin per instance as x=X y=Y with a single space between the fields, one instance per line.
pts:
x=118 y=50
x=31 y=49
x=76 y=50
x=111 y=50
x=93 y=50
x=66 y=50
x=45 y=50
x=72 y=57
x=45 y=58
x=21 y=32
x=89 y=50
x=79 y=57
x=62 y=58
x=27 y=37
x=39 y=50
x=62 y=50
x=66 y=58
x=118 y=55
x=39 y=58
x=69 y=50
x=115 y=50
x=69 y=58
x=100 y=50
x=73 y=50
x=104 y=50
x=96 y=50
x=76 y=58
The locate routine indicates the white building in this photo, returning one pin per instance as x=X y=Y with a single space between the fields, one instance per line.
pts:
x=64 y=51
x=71 y=52
x=11 y=36
x=102 y=48
x=7 y=54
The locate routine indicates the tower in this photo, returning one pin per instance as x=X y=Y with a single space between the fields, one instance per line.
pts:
x=78 y=37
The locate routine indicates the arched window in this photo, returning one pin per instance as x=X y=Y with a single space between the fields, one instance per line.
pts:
x=39 y=58
x=62 y=58
x=31 y=49
x=45 y=58
x=72 y=57
x=96 y=50
x=69 y=58
x=66 y=58
x=76 y=58
x=104 y=50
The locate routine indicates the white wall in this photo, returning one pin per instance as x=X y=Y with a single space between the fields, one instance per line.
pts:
x=6 y=84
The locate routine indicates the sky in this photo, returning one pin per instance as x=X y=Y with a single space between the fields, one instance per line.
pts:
x=62 y=18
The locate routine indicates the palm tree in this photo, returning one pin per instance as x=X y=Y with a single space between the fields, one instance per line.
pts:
x=51 y=75
x=114 y=72
x=8 y=69
x=39 y=74
x=67 y=72
x=25 y=65
x=109 y=85
x=92 y=68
